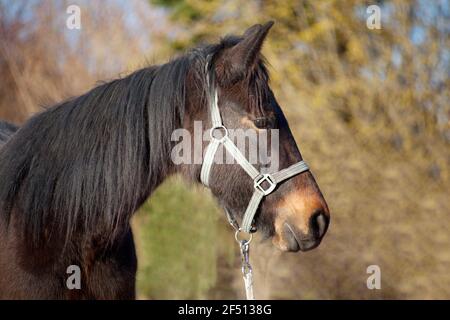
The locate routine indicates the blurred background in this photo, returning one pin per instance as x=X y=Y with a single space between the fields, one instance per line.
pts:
x=369 y=109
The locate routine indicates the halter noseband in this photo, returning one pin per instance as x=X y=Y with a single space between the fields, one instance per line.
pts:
x=258 y=178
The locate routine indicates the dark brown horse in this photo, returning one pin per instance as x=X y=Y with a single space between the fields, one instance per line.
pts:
x=73 y=175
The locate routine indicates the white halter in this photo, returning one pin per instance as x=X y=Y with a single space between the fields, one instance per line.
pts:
x=258 y=178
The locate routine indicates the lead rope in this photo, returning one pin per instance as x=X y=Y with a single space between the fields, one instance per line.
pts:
x=247 y=272
x=244 y=246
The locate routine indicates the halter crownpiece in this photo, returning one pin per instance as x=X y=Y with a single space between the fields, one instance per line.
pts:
x=259 y=179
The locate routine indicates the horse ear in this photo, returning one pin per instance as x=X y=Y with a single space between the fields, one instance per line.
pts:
x=242 y=57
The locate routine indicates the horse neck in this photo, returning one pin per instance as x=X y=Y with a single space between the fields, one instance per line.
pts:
x=85 y=166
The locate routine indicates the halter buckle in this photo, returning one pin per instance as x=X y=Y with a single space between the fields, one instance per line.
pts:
x=259 y=180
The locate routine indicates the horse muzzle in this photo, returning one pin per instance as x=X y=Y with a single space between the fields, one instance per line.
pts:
x=300 y=230
x=296 y=240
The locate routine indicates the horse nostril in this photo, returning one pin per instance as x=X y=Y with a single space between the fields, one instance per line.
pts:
x=322 y=222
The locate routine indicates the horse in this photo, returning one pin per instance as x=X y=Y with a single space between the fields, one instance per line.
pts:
x=73 y=175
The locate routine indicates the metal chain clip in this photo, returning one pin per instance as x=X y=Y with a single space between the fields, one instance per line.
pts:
x=247 y=271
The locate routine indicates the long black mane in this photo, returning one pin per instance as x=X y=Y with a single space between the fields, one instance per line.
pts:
x=88 y=163
x=6 y=131
x=85 y=165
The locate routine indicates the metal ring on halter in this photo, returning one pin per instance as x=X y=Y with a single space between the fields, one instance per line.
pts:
x=264 y=177
x=225 y=134
x=239 y=231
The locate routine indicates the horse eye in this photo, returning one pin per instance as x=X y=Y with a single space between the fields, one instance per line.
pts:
x=260 y=123
x=264 y=123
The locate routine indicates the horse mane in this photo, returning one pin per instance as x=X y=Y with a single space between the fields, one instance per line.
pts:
x=89 y=162
x=85 y=165
x=6 y=131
